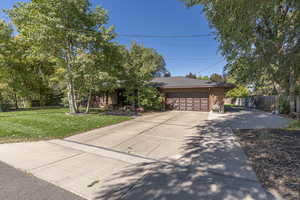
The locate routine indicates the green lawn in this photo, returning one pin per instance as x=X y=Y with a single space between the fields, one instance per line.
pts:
x=50 y=124
x=294 y=125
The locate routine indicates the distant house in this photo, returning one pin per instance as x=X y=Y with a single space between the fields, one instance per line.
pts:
x=180 y=93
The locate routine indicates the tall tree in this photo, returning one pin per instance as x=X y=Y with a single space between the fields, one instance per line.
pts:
x=191 y=75
x=5 y=41
x=24 y=73
x=140 y=66
x=99 y=71
x=216 y=78
x=63 y=29
x=260 y=39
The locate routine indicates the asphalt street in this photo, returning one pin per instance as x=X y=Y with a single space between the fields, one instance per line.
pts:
x=17 y=185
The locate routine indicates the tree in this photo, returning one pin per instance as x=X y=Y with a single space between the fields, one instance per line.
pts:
x=238 y=92
x=191 y=75
x=140 y=66
x=5 y=39
x=206 y=78
x=162 y=70
x=260 y=39
x=24 y=73
x=63 y=29
x=216 y=78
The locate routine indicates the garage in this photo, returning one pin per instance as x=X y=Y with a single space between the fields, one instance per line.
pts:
x=187 y=94
x=188 y=101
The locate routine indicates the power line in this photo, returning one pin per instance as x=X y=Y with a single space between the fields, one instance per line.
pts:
x=144 y=36
x=164 y=36
x=212 y=66
x=188 y=59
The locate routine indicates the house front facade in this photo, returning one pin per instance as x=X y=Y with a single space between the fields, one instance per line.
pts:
x=187 y=94
x=180 y=93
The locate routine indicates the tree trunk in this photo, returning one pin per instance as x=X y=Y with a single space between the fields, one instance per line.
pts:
x=71 y=98
x=16 y=101
x=136 y=101
x=41 y=99
x=292 y=84
x=70 y=82
x=88 y=102
x=106 y=95
x=1 y=109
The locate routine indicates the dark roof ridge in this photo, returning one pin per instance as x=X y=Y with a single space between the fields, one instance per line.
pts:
x=186 y=82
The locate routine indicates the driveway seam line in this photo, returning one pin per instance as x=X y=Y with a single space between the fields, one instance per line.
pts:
x=115 y=125
x=146 y=130
x=57 y=161
x=112 y=150
x=166 y=138
x=162 y=123
x=157 y=146
x=160 y=161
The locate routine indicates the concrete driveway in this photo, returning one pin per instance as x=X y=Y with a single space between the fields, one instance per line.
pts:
x=171 y=155
x=249 y=119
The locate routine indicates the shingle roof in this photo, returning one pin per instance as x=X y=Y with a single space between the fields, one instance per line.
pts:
x=184 y=82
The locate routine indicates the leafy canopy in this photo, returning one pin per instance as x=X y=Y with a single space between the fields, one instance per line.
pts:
x=70 y=33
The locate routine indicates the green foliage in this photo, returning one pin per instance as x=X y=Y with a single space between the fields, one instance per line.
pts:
x=5 y=43
x=4 y=100
x=260 y=40
x=150 y=98
x=69 y=32
x=294 y=125
x=140 y=66
x=64 y=46
x=206 y=78
x=284 y=106
x=191 y=75
x=216 y=78
x=238 y=92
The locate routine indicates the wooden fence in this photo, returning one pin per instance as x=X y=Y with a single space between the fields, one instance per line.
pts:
x=267 y=103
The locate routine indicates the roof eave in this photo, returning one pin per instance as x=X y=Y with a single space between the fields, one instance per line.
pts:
x=194 y=87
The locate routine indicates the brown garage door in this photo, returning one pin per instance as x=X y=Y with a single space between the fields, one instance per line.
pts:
x=189 y=101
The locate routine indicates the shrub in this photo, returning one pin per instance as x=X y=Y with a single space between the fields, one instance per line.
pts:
x=284 y=107
x=4 y=107
x=4 y=104
x=150 y=98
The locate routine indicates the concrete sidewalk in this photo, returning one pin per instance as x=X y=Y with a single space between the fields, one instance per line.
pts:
x=172 y=155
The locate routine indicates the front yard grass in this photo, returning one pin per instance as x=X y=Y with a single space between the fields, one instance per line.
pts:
x=294 y=125
x=50 y=124
x=275 y=157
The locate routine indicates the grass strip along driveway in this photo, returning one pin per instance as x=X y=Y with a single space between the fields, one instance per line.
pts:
x=50 y=124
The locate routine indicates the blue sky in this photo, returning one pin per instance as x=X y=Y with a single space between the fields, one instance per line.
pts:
x=163 y=17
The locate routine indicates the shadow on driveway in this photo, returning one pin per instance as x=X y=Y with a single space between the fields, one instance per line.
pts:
x=212 y=167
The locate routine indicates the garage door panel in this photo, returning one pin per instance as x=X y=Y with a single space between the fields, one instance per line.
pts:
x=187 y=95
x=191 y=101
